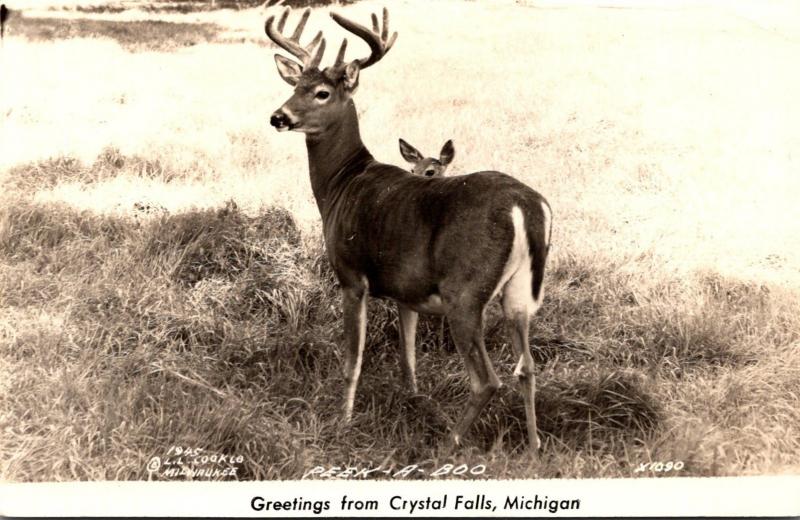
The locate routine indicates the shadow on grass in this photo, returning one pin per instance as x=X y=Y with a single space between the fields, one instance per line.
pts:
x=583 y=409
x=221 y=243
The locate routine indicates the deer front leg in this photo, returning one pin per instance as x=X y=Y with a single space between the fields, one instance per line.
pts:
x=408 y=336
x=355 y=334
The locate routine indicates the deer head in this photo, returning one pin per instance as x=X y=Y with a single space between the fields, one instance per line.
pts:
x=321 y=96
x=428 y=166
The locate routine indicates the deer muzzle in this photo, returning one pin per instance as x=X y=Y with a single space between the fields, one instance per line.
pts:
x=280 y=121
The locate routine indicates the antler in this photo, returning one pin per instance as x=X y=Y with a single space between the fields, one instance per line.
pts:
x=378 y=38
x=307 y=56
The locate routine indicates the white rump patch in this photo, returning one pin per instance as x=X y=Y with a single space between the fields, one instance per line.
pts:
x=516 y=280
x=547 y=228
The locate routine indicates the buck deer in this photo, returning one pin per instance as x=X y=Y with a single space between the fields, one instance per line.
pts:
x=444 y=245
x=428 y=166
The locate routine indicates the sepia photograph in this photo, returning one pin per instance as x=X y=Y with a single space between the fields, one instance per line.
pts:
x=399 y=241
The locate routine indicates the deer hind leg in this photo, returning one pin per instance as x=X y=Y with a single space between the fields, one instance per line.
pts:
x=466 y=328
x=355 y=334
x=518 y=307
x=408 y=333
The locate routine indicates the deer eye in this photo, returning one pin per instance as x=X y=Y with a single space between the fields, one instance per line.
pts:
x=322 y=94
x=430 y=173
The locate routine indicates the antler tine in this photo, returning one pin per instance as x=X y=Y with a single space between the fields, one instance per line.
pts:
x=314 y=63
x=315 y=41
x=292 y=44
x=282 y=21
x=301 y=25
x=385 y=31
x=378 y=38
x=340 y=56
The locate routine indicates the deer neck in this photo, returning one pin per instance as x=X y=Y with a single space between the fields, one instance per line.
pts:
x=334 y=156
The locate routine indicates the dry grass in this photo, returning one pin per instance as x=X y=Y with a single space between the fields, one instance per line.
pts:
x=137 y=35
x=162 y=280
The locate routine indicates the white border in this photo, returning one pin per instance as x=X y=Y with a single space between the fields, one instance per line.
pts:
x=717 y=496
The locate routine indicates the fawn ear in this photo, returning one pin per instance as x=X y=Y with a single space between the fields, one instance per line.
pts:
x=447 y=153
x=351 y=76
x=409 y=153
x=289 y=70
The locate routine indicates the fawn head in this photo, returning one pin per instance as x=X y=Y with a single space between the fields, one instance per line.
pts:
x=428 y=166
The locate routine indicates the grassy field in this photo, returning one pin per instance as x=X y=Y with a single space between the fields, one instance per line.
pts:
x=163 y=280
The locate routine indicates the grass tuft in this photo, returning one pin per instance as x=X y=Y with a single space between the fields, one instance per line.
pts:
x=590 y=406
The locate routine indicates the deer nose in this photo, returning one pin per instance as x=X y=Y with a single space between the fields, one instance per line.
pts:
x=279 y=120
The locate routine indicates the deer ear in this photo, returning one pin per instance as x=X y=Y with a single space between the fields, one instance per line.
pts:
x=289 y=70
x=351 y=76
x=447 y=153
x=409 y=153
